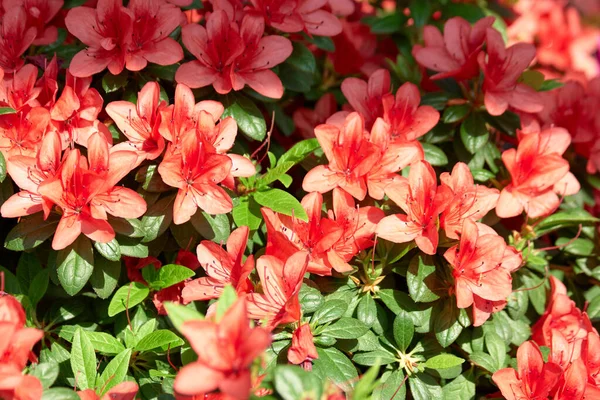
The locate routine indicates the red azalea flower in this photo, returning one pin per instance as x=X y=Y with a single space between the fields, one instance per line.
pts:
x=20 y=91
x=469 y=200
x=481 y=264
x=366 y=97
x=16 y=35
x=222 y=268
x=453 y=55
x=350 y=158
x=196 y=173
x=21 y=133
x=140 y=122
x=501 y=69
x=225 y=352
x=39 y=14
x=306 y=119
x=533 y=380
x=280 y=282
x=538 y=173
x=303 y=350
x=419 y=198
x=122 y=391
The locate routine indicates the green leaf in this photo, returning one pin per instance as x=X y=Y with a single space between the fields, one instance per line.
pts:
x=178 y=314
x=112 y=83
x=421 y=277
x=299 y=151
x=424 y=387
x=151 y=180
x=28 y=267
x=456 y=113
x=550 y=84
x=508 y=122
x=579 y=247
x=111 y=250
x=310 y=299
x=564 y=219
x=212 y=227
x=226 y=300
x=483 y=360
x=157 y=219
x=75 y=265
x=292 y=383
x=297 y=73
x=46 y=372
x=460 y=388
x=470 y=12
x=2 y=168
x=83 y=360
x=105 y=276
x=38 y=287
x=375 y=357
x=329 y=311
x=482 y=175
x=366 y=312
x=160 y=340
x=274 y=174
x=30 y=232
x=445 y=323
x=104 y=343
x=496 y=348
x=282 y=202
x=322 y=42
x=386 y=24
x=247 y=213
x=247 y=115
x=532 y=78
x=59 y=393
x=171 y=274
x=420 y=11
x=404 y=331
x=114 y=372
x=474 y=133
x=127 y=297
x=333 y=364
x=593 y=309
x=367 y=383
x=11 y=283
x=392 y=388
x=434 y=155
x=346 y=328
x=7 y=110
x=444 y=361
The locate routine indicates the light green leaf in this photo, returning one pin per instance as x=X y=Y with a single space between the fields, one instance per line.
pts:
x=114 y=372
x=282 y=202
x=83 y=360
x=104 y=343
x=127 y=297
x=179 y=314
x=443 y=361
x=160 y=340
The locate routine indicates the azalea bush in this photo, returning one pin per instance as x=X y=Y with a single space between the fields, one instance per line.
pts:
x=299 y=199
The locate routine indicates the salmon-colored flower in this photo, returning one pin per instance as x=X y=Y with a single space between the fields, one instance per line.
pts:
x=16 y=386
x=16 y=35
x=351 y=156
x=196 y=173
x=140 y=122
x=225 y=351
x=419 y=198
x=21 y=133
x=39 y=15
x=123 y=391
x=28 y=173
x=468 y=201
x=481 y=265
x=86 y=193
x=20 y=91
x=501 y=70
x=106 y=31
x=366 y=97
x=303 y=350
x=153 y=22
x=534 y=379
x=299 y=15
x=222 y=268
x=357 y=49
x=538 y=173
x=280 y=282
x=453 y=55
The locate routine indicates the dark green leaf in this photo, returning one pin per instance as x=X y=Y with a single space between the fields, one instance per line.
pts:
x=2 y=168
x=212 y=227
x=376 y=357
x=474 y=133
x=334 y=365
x=111 y=250
x=496 y=348
x=421 y=278
x=434 y=155
x=366 y=312
x=157 y=219
x=247 y=115
x=563 y=219
x=404 y=331
x=46 y=372
x=483 y=360
x=38 y=287
x=75 y=265
x=298 y=71
x=456 y=113
x=310 y=299
x=460 y=388
x=292 y=383
x=346 y=328
x=329 y=311
x=112 y=83
x=550 y=84
x=6 y=110
x=105 y=276
x=171 y=274
x=445 y=323
x=30 y=232
x=392 y=388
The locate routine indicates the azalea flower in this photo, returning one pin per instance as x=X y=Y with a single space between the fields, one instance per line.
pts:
x=123 y=391
x=280 y=282
x=106 y=31
x=222 y=268
x=366 y=97
x=501 y=70
x=453 y=55
x=28 y=173
x=86 y=193
x=419 y=198
x=357 y=50
x=153 y=22
x=469 y=200
x=225 y=352
x=140 y=122
x=350 y=158
x=20 y=91
x=481 y=266
x=39 y=14
x=303 y=350
x=16 y=386
x=21 y=133
x=16 y=35
x=407 y=120
x=196 y=173
x=534 y=379
x=538 y=172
